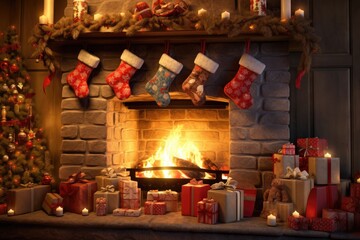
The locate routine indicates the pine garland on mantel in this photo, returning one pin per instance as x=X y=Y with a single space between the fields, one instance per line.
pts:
x=297 y=28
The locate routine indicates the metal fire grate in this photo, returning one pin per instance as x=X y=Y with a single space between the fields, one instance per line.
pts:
x=174 y=184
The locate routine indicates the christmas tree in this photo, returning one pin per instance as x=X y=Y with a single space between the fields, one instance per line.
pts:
x=23 y=151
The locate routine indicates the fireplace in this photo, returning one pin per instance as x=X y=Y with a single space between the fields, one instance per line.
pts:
x=102 y=131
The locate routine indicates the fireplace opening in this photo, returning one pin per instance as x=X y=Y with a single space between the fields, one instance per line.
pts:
x=170 y=145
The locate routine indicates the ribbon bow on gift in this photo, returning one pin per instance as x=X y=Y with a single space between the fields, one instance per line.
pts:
x=195 y=182
x=122 y=172
x=28 y=185
x=108 y=188
x=230 y=184
x=109 y=172
x=296 y=173
x=77 y=178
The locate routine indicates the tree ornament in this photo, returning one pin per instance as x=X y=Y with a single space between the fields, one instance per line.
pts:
x=4 y=65
x=22 y=137
x=194 y=84
x=31 y=133
x=5 y=87
x=238 y=89
x=20 y=98
x=16 y=180
x=46 y=179
x=29 y=145
x=3 y=114
x=5 y=158
x=119 y=79
x=11 y=148
x=77 y=79
x=158 y=86
x=14 y=68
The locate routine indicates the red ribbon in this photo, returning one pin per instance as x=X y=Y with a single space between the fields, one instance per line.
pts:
x=77 y=178
x=47 y=81
x=299 y=78
x=329 y=170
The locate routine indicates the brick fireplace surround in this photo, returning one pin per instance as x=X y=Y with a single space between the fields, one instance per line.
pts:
x=102 y=131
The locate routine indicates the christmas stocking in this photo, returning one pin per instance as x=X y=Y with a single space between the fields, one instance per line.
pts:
x=119 y=79
x=194 y=84
x=158 y=86
x=238 y=89
x=77 y=79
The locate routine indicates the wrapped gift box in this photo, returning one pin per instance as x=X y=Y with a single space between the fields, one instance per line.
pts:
x=349 y=204
x=344 y=220
x=288 y=149
x=191 y=194
x=298 y=223
x=325 y=170
x=304 y=164
x=100 y=206
x=208 y=211
x=298 y=191
x=128 y=186
x=321 y=197
x=281 y=162
x=323 y=224
x=154 y=208
x=51 y=202
x=103 y=181
x=231 y=204
x=355 y=190
x=131 y=200
x=249 y=199
x=314 y=147
x=3 y=208
x=78 y=196
x=284 y=210
x=112 y=199
x=127 y=212
x=28 y=199
x=168 y=196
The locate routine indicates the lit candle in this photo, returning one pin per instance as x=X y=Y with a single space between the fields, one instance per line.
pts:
x=11 y=212
x=285 y=9
x=122 y=14
x=296 y=214
x=271 y=220
x=358 y=180
x=97 y=16
x=299 y=13
x=202 y=12
x=85 y=212
x=327 y=155
x=59 y=211
x=43 y=19
x=49 y=10
x=225 y=15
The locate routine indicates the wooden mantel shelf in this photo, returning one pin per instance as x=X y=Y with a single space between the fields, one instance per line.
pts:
x=99 y=38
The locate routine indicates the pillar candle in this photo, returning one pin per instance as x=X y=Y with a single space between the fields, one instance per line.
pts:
x=202 y=12
x=43 y=19
x=49 y=10
x=285 y=9
x=271 y=220
x=299 y=13
x=59 y=211
x=225 y=15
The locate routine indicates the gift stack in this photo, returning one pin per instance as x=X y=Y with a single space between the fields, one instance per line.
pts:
x=107 y=198
x=169 y=197
x=351 y=204
x=290 y=189
x=130 y=199
x=28 y=198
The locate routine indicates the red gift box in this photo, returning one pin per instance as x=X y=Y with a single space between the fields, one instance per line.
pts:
x=314 y=147
x=348 y=204
x=154 y=208
x=298 y=223
x=304 y=164
x=323 y=224
x=132 y=200
x=191 y=194
x=78 y=193
x=208 y=211
x=288 y=149
x=3 y=208
x=344 y=220
x=249 y=200
x=321 y=197
x=100 y=206
x=355 y=190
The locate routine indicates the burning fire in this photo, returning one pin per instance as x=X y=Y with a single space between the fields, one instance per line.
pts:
x=174 y=150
